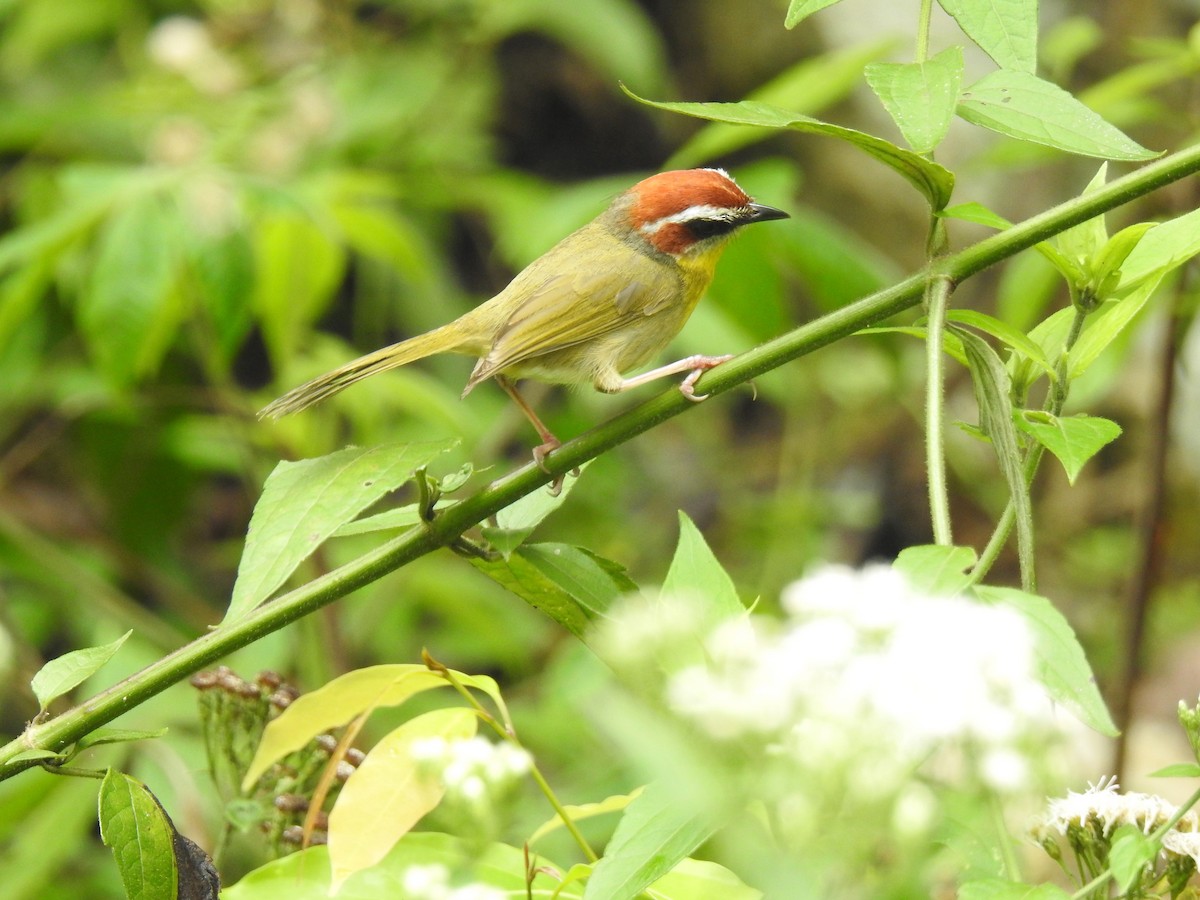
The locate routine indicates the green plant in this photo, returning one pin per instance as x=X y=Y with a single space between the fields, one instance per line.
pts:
x=233 y=215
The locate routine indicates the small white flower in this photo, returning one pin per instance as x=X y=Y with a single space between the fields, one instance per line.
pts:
x=428 y=749
x=426 y=882
x=1183 y=843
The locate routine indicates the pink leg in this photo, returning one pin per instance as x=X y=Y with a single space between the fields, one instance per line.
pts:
x=549 y=442
x=694 y=365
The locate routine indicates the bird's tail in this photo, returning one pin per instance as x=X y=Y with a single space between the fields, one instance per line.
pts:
x=440 y=340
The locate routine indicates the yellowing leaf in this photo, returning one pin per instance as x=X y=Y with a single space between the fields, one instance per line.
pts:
x=387 y=795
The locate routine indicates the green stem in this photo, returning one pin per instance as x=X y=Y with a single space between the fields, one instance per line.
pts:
x=1056 y=399
x=450 y=523
x=923 y=30
x=938 y=296
x=505 y=732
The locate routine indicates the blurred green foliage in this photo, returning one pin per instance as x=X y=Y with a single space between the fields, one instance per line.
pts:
x=205 y=203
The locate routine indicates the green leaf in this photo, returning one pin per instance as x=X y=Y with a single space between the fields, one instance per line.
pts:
x=297 y=267
x=1178 y=770
x=936 y=569
x=1062 y=667
x=813 y=84
x=1006 y=30
x=67 y=672
x=388 y=793
x=976 y=213
x=129 y=309
x=1081 y=243
x=1106 y=325
x=696 y=572
x=306 y=875
x=920 y=97
x=695 y=879
x=222 y=267
x=1016 y=339
x=572 y=585
x=518 y=521
x=935 y=182
x=1168 y=245
x=305 y=502
x=116 y=736
x=141 y=837
x=1131 y=852
x=1001 y=889
x=993 y=393
x=579 y=812
x=653 y=836
x=1073 y=439
x=799 y=10
x=1106 y=267
x=1023 y=106
x=336 y=703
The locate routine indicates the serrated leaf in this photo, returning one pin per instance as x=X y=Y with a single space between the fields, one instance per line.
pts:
x=799 y=10
x=67 y=672
x=951 y=345
x=1072 y=439
x=135 y=828
x=1006 y=30
x=935 y=182
x=571 y=585
x=388 y=793
x=1178 y=770
x=336 y=703
x=654 y=835
x=1062 y=667
x=517 y=521
x=994 y=396
x=697 y=573
x=936 y=569
x=1023 y=106
x=303 y=503
x=920 y=97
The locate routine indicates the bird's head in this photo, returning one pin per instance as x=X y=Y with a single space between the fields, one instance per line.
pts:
x=689 y=213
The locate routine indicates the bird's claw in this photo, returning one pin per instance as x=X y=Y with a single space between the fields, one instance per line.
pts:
x=540 y=452
x=687 y=387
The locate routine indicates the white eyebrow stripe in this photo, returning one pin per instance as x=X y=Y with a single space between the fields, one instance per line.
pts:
x=700 y=212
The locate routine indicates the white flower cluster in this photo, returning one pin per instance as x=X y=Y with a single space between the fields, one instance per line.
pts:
x=1103 y=807
x=474 y=768
x=432 y=882
x=868 y=674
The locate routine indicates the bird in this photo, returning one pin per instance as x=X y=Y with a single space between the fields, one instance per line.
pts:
x=605 y=300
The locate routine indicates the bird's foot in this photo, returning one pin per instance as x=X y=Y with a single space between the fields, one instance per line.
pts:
x=699 y=365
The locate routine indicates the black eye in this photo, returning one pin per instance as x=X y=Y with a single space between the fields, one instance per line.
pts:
x=708 y=228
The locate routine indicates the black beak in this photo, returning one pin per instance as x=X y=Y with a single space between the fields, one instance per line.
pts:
x=761 y=213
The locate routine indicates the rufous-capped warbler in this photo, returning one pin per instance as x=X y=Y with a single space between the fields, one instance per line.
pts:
x=605 y=299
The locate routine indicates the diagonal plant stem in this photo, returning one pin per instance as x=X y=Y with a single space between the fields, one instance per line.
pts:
x=937 y=299
x=63 y=730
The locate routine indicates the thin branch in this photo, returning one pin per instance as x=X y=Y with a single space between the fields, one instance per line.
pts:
x=70 y=726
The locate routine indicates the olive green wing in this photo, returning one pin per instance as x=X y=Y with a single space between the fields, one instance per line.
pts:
x=563 y=310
